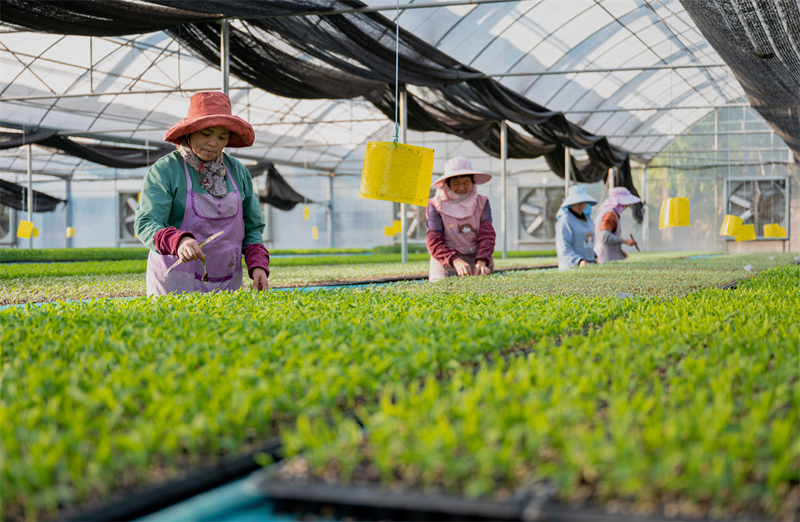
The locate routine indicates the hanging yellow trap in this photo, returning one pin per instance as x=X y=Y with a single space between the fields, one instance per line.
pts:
x=393 y=230
x=306 y=211
x=25 y=229
x=315 y=233
x=774 y=230
x=730 y=225
x=674 y=213
x=35 y=232
x=70 y=232
x=746 y=233
x=397 y=172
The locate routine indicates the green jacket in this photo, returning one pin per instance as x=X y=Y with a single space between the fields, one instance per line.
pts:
x=163 y=198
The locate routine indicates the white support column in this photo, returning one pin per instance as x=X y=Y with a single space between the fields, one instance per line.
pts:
x=403 y=207
x=330 y=210
x=30 y=191
x=224 y=53
x=504 y=186
x=68 y=212
x=645 y=209
x=567 y=171
x=610 y=181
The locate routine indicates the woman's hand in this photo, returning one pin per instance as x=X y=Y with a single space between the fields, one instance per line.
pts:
x=260 y=282
x=481 y=268
x=629 y=242
x=189 y=250
x=462 y=267
x=583 y=262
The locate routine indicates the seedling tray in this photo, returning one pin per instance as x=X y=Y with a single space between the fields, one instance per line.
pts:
x=133 y=504
x=370 y=502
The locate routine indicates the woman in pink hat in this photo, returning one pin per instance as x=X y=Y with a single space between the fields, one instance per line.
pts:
x=608 y=226
x=196 y=192
x=460 y=233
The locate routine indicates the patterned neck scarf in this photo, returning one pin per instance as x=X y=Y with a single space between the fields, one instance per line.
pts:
x=211 y=173
x=458 y=206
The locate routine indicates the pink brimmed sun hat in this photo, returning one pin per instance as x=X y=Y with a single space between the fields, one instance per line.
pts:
x=212 y=109
x=461 y=166
x=622 y=196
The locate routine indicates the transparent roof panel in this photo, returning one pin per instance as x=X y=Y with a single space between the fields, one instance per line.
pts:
x=132 y=89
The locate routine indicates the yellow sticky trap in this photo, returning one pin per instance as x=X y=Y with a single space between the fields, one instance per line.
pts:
x=306 y=210
x=774 y=230
x=25 y=229
x=35 y=232
x=314 y=232
x=70 y=232
x=397 y=172
x=393 y=230
x=674 y=213
x=730 y=225
x=746 y=233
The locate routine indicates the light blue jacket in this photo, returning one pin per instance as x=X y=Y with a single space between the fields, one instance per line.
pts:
x=574 y=240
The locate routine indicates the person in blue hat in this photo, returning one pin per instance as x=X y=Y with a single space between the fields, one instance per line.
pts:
x=575 y=230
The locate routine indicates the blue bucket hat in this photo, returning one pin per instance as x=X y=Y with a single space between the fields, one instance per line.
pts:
x=577 y=194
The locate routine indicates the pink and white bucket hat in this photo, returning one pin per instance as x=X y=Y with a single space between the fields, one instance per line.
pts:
x=461 y=166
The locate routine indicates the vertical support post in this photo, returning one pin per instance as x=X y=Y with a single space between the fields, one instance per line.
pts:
x=224 y=53
x=504 y=186
x=30 y=191
x=330 y=209
x=645 y=208
x=403 y=108
x=567 y=169
x=717 y=217
x=68 y=212
x=611 y=180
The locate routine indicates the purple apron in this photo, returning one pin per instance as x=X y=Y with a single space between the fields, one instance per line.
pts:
x=204 y=215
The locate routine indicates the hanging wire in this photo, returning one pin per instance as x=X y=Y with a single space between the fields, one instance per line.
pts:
x=671 y=126
x=396 y=70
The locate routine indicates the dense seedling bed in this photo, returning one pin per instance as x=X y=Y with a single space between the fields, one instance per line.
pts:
x=12 y=271
x=17 y=271
x=643 y=276
x=80 y=285
x=103 y=395
x=24 y=255
x=686 y=407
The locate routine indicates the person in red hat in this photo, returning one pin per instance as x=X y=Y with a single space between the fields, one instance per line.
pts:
x=460 y=235
x=196 y=192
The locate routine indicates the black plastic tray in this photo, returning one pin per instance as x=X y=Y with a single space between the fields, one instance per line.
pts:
x=368 y=502
x=148 y=499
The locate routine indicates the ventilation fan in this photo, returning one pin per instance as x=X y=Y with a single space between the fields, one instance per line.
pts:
x=538 y=207
x=127 y=215
x=6 y=225
x=758 y=201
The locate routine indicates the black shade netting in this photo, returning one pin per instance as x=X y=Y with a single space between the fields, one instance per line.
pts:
x=120 y=157
x=16 y=196
x=758 y=41
x=278 y=192
x=353 y=54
